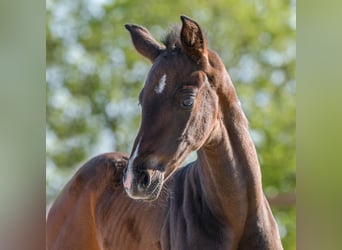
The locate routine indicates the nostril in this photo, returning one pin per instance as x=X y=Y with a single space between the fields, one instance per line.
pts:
x=144 y=179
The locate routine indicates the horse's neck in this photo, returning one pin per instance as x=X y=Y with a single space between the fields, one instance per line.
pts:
x=228 y=165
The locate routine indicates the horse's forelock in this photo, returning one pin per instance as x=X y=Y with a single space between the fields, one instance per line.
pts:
x=172 y=39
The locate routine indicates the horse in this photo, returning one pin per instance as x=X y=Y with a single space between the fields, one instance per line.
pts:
x=147 y=201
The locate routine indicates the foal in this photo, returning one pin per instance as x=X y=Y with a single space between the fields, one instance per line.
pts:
x=188 y=104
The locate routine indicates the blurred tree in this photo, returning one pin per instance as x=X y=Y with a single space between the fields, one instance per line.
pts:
x=94 y=76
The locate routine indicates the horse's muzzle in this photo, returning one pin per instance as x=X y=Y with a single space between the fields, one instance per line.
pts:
x=143 y=184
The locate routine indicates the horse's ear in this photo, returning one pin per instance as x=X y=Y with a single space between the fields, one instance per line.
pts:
x=193 y=40
x=144 y=42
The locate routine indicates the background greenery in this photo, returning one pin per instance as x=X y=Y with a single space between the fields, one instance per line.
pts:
x=94 y=76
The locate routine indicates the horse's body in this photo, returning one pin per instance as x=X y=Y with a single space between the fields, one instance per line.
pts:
x=188 y=103
x=93 y=212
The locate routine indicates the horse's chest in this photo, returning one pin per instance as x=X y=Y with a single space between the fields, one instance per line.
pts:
x=184 y=237
x=193 y=228
x=189 y=223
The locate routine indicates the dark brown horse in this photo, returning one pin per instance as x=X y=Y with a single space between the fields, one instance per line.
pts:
x=188 y=104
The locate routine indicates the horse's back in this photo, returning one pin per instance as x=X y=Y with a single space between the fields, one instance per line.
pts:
x=93 y=211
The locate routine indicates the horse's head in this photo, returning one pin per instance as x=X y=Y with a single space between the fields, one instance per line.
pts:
x=179 y=103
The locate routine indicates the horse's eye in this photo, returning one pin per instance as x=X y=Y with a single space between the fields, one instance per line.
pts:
x=188 y=102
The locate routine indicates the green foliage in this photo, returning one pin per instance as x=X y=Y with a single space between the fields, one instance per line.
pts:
x=94 y=77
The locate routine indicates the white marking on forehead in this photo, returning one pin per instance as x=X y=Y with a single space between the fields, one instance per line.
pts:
x=161 y=85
